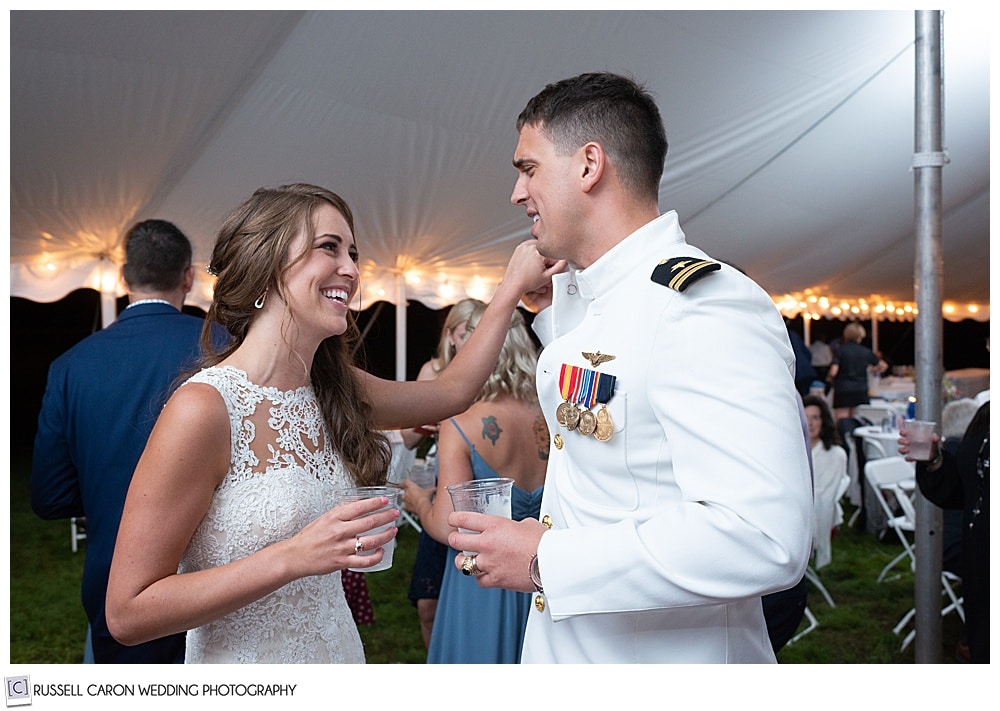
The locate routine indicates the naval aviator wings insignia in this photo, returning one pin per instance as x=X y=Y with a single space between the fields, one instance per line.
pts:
x=597 y=358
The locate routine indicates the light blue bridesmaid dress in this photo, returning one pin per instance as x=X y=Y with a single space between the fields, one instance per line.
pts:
x=476 y=625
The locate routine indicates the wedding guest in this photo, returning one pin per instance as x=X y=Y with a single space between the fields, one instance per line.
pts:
x=502 y=435
x=821 y=356
x=784 y=610
x=830 y=477
x=432 y=555
x=849 y=371
x=960 y=479
x=109 y=388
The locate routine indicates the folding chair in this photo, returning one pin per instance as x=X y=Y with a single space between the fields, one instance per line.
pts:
x=855 y=491
x=873 y=449
x=813 y=624
x=948 y=582
x=77 y=531
x=813 y=577
x=893 y=475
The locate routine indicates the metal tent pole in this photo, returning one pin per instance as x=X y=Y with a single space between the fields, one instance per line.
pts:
x=109 y=300
x=928 y=161
x=400 y=327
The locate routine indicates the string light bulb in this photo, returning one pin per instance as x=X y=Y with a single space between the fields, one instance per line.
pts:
x=814 y=305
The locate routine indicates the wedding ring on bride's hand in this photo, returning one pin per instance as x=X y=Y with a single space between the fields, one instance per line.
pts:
x=358 y=545
x=469 y=566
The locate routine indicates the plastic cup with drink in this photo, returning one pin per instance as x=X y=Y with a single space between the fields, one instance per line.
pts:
x=360 y=493
x=919 y=432
x=487 y=496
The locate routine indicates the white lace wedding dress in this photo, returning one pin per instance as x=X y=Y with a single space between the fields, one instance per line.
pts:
x=283 y=474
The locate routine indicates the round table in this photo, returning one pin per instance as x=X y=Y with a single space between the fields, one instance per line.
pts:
x=876 y=444
x=884 y=444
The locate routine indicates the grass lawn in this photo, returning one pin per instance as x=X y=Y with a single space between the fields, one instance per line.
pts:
x=48 y=625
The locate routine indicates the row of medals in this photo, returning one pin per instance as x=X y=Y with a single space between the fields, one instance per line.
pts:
x=585 y=421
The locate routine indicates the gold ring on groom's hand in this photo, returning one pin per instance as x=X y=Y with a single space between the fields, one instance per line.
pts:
x=469 y=566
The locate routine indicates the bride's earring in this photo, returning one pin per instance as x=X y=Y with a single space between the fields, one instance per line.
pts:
x=259 y=303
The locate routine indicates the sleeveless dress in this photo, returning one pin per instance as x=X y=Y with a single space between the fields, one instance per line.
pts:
x=477 y=625
x=259 y=503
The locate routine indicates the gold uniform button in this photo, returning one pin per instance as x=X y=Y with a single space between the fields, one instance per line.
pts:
x=558 y=441
x=539 y=603
x=547 y=521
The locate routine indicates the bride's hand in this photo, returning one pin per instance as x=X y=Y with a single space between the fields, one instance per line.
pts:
x=528 y=271
x=335 y=539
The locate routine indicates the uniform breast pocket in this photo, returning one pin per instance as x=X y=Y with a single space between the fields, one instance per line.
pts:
x=598 y=473
x=610 y=418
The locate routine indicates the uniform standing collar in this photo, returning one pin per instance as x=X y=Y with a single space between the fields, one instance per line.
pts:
x=619 y=264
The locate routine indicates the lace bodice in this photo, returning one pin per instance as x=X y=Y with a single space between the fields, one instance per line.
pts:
x=283 y=474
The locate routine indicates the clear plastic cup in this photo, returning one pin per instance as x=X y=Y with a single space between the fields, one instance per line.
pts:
x=919 y=433
x=423 y=474
x=487 y=496
x=360 y=493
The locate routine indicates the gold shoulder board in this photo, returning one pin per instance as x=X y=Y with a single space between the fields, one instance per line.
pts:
x=681 y=272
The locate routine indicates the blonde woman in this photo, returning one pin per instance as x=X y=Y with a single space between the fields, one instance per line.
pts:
x=849 y=371
x=432 y=556
x=502 y=435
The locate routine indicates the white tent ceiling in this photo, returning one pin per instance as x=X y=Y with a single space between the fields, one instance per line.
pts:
x=791 y=137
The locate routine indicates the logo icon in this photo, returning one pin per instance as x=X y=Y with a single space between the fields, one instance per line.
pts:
x=18 y=690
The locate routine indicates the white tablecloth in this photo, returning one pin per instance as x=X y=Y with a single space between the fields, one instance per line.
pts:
x=889 y=441
x=893 y=388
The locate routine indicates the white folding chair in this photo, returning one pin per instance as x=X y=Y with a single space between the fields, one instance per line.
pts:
x=855 y=490
x=813 y=624
x=77 y=531
x=813 y=577
x=955 y=604
x=405 y=517
x=873 y=449
x=892 y=475
x=948 y=582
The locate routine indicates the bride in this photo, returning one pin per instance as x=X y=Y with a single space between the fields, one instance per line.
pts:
x=231 y=529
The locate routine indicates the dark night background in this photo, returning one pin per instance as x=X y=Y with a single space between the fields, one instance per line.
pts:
x=42 y=331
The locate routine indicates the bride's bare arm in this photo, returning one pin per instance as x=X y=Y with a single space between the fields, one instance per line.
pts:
x=186 y=457
x=413 y=403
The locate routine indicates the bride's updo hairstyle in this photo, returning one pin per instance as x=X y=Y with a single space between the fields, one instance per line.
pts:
x=250 y=259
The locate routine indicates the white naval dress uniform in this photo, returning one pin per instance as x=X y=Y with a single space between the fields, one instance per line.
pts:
x=664 y=538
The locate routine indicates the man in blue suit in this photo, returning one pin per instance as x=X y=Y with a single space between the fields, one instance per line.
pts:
x=101 y=400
